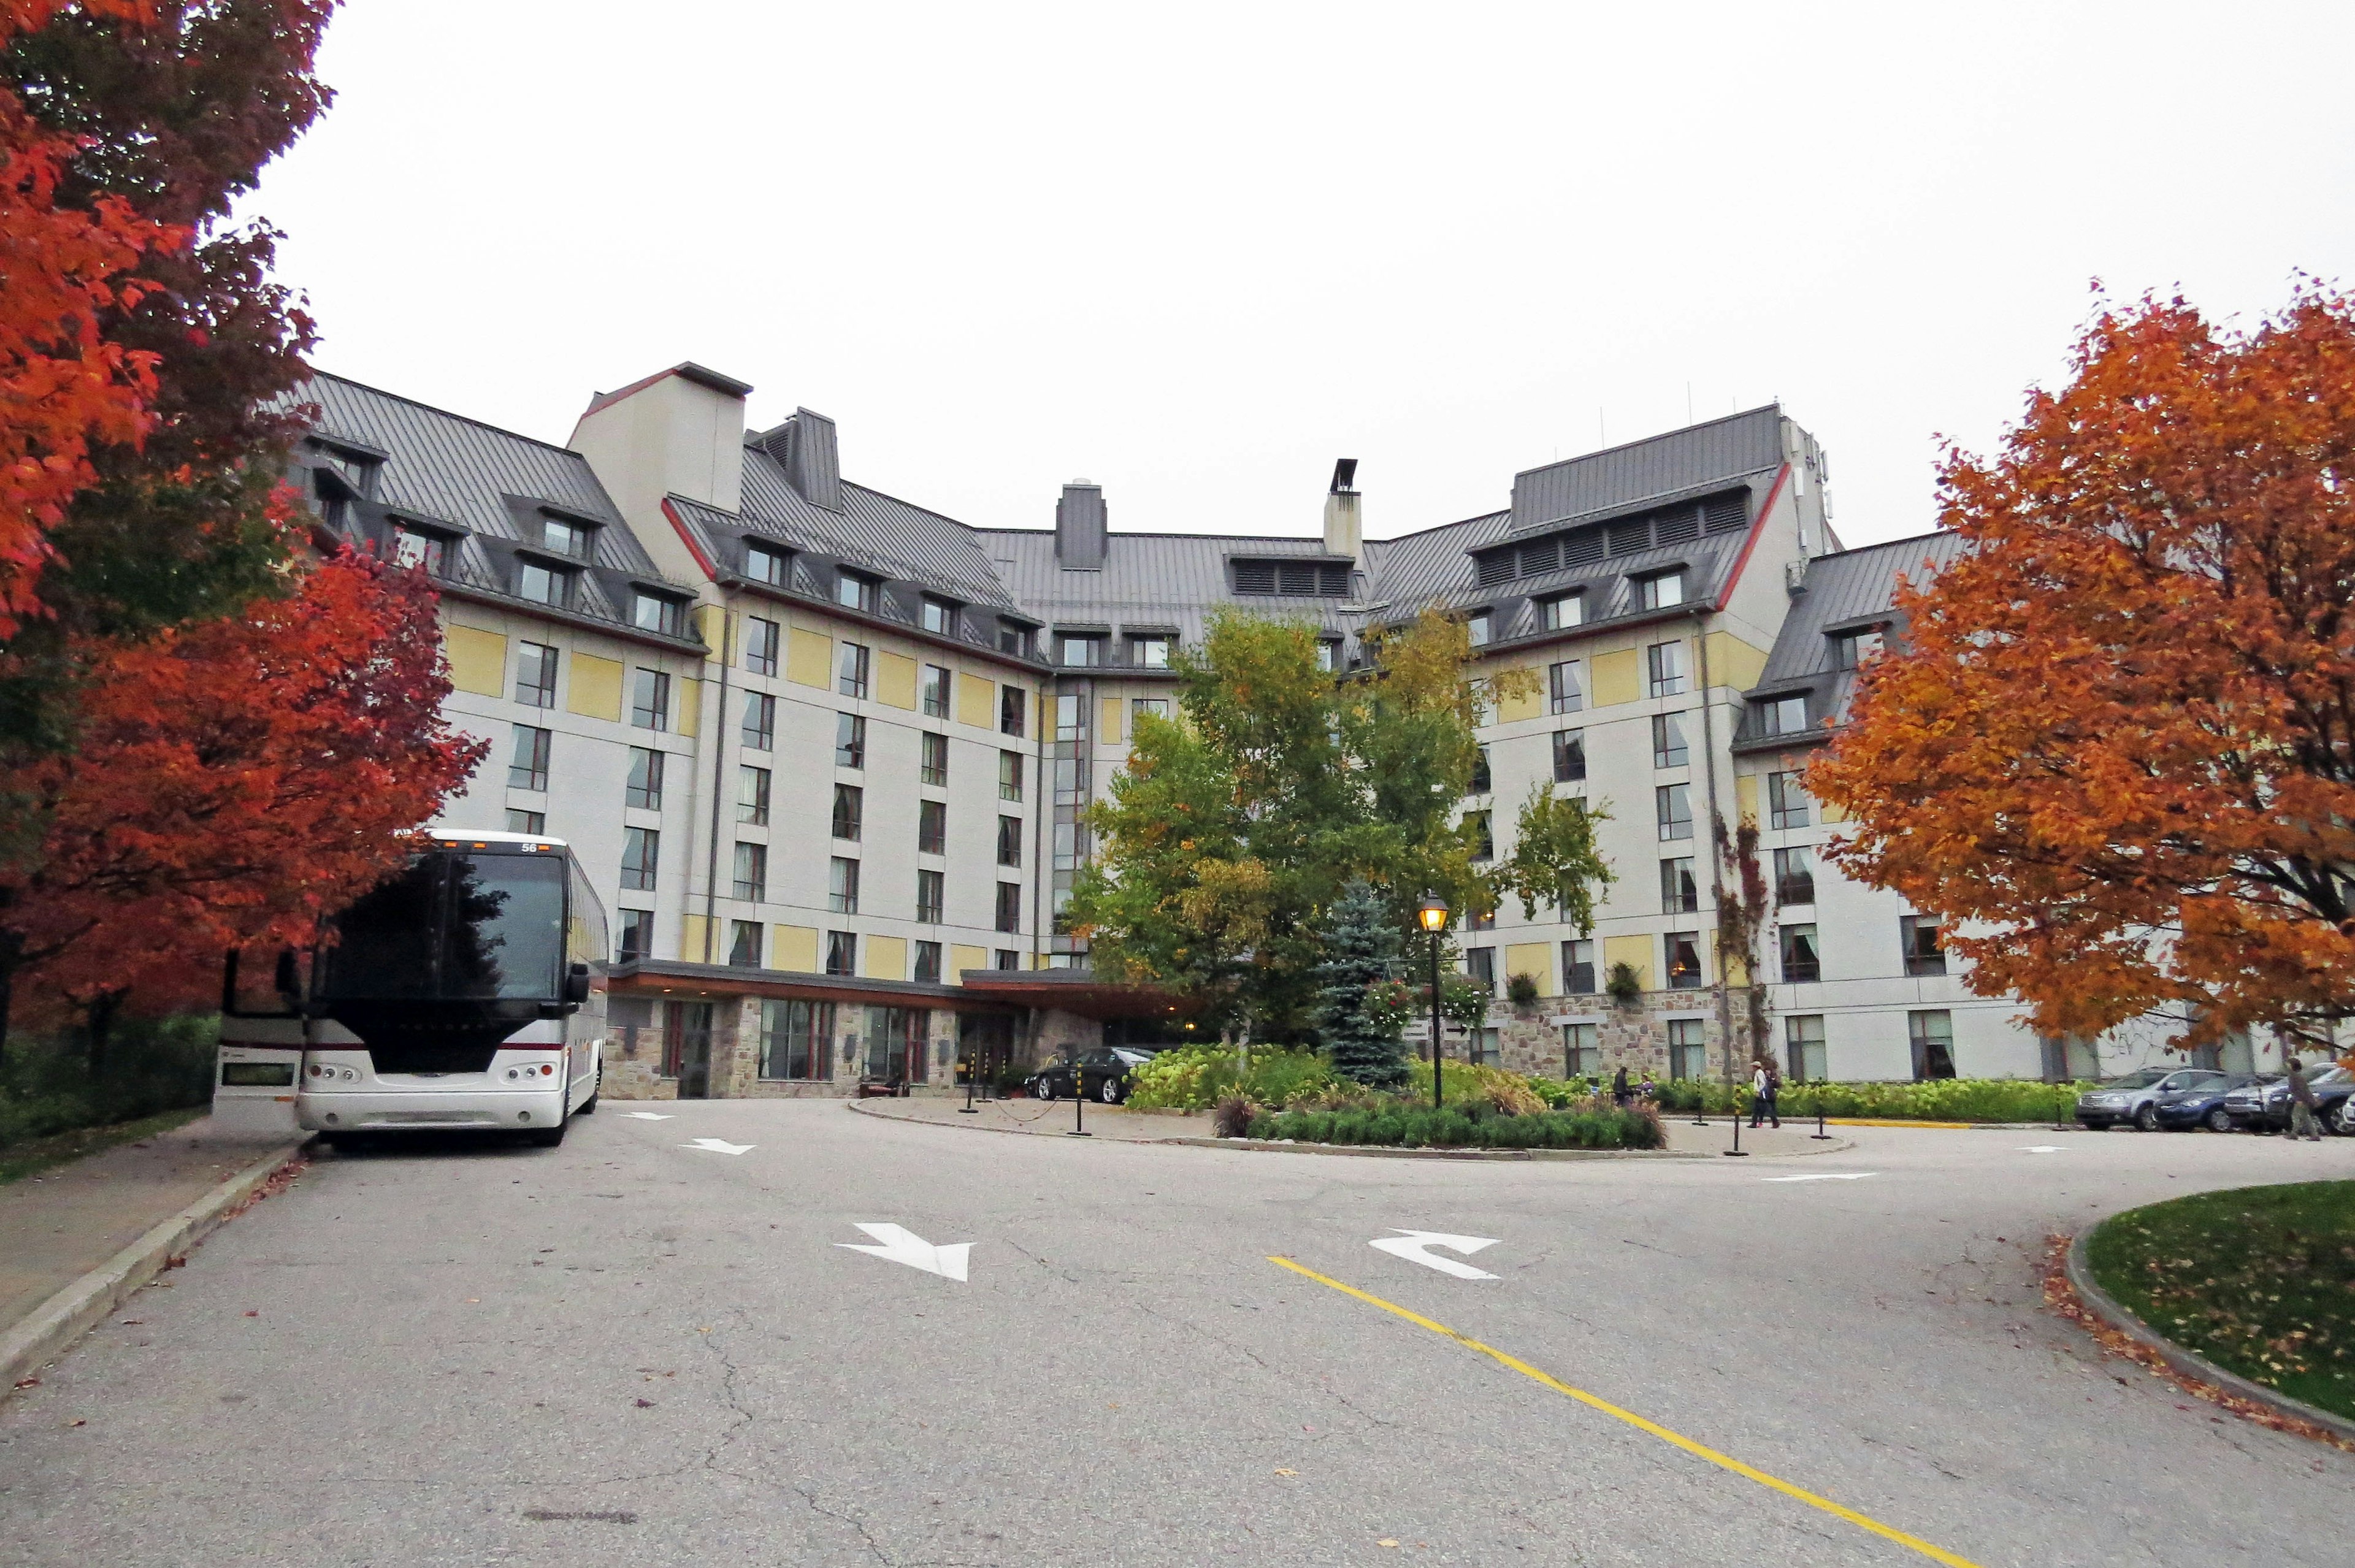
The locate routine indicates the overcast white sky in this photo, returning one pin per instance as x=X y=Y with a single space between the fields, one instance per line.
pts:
x=1196 y=252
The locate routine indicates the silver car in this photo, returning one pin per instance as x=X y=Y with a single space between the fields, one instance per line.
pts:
x=2135 y=1097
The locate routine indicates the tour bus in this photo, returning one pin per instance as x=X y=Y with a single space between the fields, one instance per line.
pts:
x=465 y=992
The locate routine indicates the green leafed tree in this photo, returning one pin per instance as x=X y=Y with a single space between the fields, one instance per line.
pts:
x=1357 y=1015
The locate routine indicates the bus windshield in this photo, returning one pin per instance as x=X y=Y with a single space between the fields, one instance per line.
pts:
x=454 y=928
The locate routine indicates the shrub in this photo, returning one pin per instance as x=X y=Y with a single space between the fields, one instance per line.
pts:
x=152 y=1065
x=1473 y=1125
x=1626 y=987
x=1938 y=1100
x=1521 y=990
x=1195 y=1077
x=1232 y=1118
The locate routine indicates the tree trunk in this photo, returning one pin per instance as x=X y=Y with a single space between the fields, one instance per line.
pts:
x=99 y=1015
x=12 y=949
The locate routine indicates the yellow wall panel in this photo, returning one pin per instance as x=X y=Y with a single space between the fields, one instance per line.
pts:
x=1734 y=663
x=1534 y=959
x=1529 y=705
x=1618 y=677
x=596 y=690
x=794 y=947
x=1110 y=730
x=1635 y=951
x=977 y=701
x=895 y=679
x=691 y=707
x=712 y=623
x=478 y=659
x=886 y=958
x=809 y=658
x=691 y=942
x=961 y=958
x=1745 y=796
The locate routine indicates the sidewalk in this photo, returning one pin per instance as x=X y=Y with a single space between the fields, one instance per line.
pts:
x=1055 y=1119
x=58 y=1227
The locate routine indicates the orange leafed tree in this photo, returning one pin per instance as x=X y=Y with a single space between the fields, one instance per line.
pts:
x=2119 y=735
x=234 y=781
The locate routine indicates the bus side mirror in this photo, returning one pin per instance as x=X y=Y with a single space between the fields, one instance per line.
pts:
x=576 y=985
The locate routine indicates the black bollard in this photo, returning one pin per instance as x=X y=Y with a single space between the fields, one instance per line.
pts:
x=1819 y=1136
x=1078 y=1108
x=1736 y=1152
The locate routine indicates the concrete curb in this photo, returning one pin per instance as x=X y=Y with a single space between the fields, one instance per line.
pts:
x=2192 y=1365
x=53 y=1327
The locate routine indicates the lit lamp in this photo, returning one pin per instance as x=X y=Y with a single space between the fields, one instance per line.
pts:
x=1434 y=915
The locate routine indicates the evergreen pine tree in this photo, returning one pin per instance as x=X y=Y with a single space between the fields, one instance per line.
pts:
x=1361 y=950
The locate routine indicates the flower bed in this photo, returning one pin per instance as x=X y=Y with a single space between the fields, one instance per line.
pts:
x=1473 y=1125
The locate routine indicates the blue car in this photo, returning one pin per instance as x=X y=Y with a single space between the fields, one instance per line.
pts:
x=2203 y=1105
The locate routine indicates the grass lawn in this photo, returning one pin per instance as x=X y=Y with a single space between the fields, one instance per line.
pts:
x=36 y=1155
x=2260 y=1280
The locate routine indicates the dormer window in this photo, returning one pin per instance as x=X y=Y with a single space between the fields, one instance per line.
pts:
x=419 y=548
x=656 y=613
x=1851 y=648
x=939 y=617
x=853 y=592
x=1149 y=652
x=543 y=584
x=1782 y=715
x=561 y=538
x=1661 y=591
x=763 y=563
x=1562 y=612
x=1082 y=652
x=1013 y=637
x=1328 y=655
x=334 y=493
x=1476 y=628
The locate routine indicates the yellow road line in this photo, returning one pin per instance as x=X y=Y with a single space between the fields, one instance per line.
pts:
x=1890 y=1122
x=1701 y=1451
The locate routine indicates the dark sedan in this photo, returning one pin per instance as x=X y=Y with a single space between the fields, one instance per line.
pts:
x=2266 y=1106
x=1101 y=1074
x=2203 y=1106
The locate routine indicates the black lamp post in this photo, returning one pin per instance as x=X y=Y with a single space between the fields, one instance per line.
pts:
x=1434 y=915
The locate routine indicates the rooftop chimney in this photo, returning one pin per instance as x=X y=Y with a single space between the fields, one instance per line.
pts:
x=1344 y=523
x=1080 y=527
x=811 y=462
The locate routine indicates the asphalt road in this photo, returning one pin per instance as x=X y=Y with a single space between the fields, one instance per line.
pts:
x=630 y=1350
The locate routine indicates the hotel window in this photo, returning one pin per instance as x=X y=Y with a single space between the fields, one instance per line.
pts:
x=1328 y=655
x=853 y=592
x=1919 y=936
x=543 y=584
x=1009 y=775
x=1562 y=612
x=928 y=962
x=1803 y=1041
x=850 y=741
x=1688 y=1049
x=761 y=638
x=752 y=872
x=763 y=564
x=1781 y=715
x=1568 y=756
x=1669 y=749
x=849 y=811
x=535 y=675
x=1803 y=963
x=1150 y=653
x=650 y=701
x=932 y=827
x=1684 y=960
x=1786 y=800
x=1483 y=1047
x=939 y=617
x=532 y=822
x=841 y=952
x=1850 y=649
x=1014 y=638
x=1480 y=968
x=1679 y=888
x=933 y=694
x=641 y=848
x=850 y=673
x=1012 y=718
x=1578 y=967
x=744 y=944
x=1082 y=651
x=1674 y=805
x=1661 y=591
x=1007 y=958
x=1480 y=835
x=415 y=547
x=932 y=897
x=1795 y=877
x=652 y=612
x=1145 y=706
x=1932 y=1034
x=1010 y=906
x=1010 y=841
x=527 y=769
x=1665 y=663
x=1476 y=629
x=842 y=887
x=1483 y=781
x=644 y=788
x=1563 y=684
x=760 y=728
x=1066 y=845
x=933 y=767
x=1582 y=1050
x=636 y=936
x=752 y=796
x=565 y=539
x=1067 y=781
x=1070 y=717
x=797 y=1041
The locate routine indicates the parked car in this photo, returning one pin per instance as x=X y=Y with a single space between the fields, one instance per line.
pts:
x=2135 y=1097
x=2265 y=1107
x=2185 y=1109
x=1100 y=1075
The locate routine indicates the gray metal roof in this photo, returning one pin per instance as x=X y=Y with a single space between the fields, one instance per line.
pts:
x=1430 y=566
x=1148 y=582
x=881 y=531
x=1658 y=467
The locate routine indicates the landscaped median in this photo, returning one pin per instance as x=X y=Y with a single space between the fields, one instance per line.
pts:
x=1473 y=1125
x=2258 y=1281
x=1953 y=1101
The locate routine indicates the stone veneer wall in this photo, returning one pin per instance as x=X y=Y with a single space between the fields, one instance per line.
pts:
x=736 y=1056
x=1635 y=1037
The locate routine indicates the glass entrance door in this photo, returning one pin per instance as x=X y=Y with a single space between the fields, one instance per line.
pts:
x=687 y=1031
x=897 y=1044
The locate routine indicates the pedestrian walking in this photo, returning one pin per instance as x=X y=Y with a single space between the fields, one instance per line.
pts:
x=1757 y=1092
x=1774 y=1093
x=2302 y=1124
x=1619 y=1087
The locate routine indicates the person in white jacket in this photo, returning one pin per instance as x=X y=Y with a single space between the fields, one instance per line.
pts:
x=1763 y=1089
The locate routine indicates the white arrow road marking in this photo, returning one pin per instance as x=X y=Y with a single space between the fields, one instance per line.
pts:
x=647 y=1115
x=1828 y=1176
x=2044 y=1148
x=902 y=1245
x=1410 y=1245
x=717 y=1146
